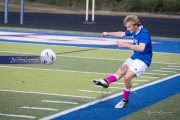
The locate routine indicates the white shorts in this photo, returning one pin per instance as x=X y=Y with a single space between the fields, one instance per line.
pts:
x=137 y=66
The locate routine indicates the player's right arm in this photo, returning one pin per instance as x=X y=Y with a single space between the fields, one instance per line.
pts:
x=117 y=34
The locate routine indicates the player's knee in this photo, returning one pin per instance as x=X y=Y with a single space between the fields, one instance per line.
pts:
x=127 y=79
x=127 y=82
x=121 y=72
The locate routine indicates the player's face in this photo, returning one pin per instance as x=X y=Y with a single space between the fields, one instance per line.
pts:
x=131 y=27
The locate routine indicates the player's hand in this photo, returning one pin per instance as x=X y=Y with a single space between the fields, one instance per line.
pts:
x=104 y=34
x=121 y=44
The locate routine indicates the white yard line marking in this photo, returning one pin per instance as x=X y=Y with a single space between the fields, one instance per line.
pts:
x=20 y=116
x=93 y=58
x=86 y=57
x=164 y=71
x=62 y=102
x=167 y=63
x=104 y=99
x=173 y=66
x=37 y=108
x=28 y=92
x=109 y=87
x=122 y=83
x=51 y=70
x=20 y=52
x=170 y=68
x=150 y=76
x=155 y=74
x=94 y=91
x=142 y=80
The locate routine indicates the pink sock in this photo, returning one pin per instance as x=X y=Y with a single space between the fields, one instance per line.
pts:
x=112 y=78
x=126 y=93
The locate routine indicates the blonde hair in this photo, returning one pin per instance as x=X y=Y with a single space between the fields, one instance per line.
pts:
x=132 y=18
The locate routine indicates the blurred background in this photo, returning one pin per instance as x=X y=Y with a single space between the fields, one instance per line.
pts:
x=161 y=6
x=160 y=17
x=37 y=90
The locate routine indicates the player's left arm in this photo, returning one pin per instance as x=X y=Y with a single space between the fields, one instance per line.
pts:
x=139 y=47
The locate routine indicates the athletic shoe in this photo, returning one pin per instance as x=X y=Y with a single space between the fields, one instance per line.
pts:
x=122 y=103
x=102 y=82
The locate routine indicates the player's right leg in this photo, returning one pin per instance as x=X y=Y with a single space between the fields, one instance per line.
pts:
x=112 y=78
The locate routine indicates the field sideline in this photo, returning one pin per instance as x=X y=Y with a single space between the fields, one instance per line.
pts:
x=38 y=91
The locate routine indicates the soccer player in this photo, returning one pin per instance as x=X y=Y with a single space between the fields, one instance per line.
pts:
x=138 y=63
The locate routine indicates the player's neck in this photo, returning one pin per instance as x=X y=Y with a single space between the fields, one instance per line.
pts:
x=138 y=29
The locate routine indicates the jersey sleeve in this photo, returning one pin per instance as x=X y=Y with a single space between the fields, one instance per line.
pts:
x=127 y=33
x=144 y=38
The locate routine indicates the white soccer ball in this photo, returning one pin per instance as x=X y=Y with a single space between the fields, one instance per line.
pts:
x=47 y=57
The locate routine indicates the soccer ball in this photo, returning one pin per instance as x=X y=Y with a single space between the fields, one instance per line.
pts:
x=47 y=57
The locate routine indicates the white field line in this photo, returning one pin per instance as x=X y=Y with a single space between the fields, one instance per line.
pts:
x=149 y=77
x=51 y=69
x=28 y=92
x=37 y=108
x=173 y=66
x=170 y=68
x=122 y=83
x=113 y=59
x=116 y=88
x=164 y=71
x=141 y=80
x=19 y=116
x=104 y=99
x=94 y=91
x=19 y=52
x=154 y=74
x=61 y=102
x=110 y=87
x=85 y=57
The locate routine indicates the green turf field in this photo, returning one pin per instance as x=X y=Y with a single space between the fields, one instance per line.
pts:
x=39 y=90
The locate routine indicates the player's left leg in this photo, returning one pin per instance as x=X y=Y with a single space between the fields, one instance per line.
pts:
x=136 y=69
x=127 y=83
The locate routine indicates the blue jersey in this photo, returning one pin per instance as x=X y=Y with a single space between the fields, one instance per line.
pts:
x=142 y=36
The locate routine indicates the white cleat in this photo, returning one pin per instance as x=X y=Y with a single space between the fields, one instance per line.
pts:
x=121 y=104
